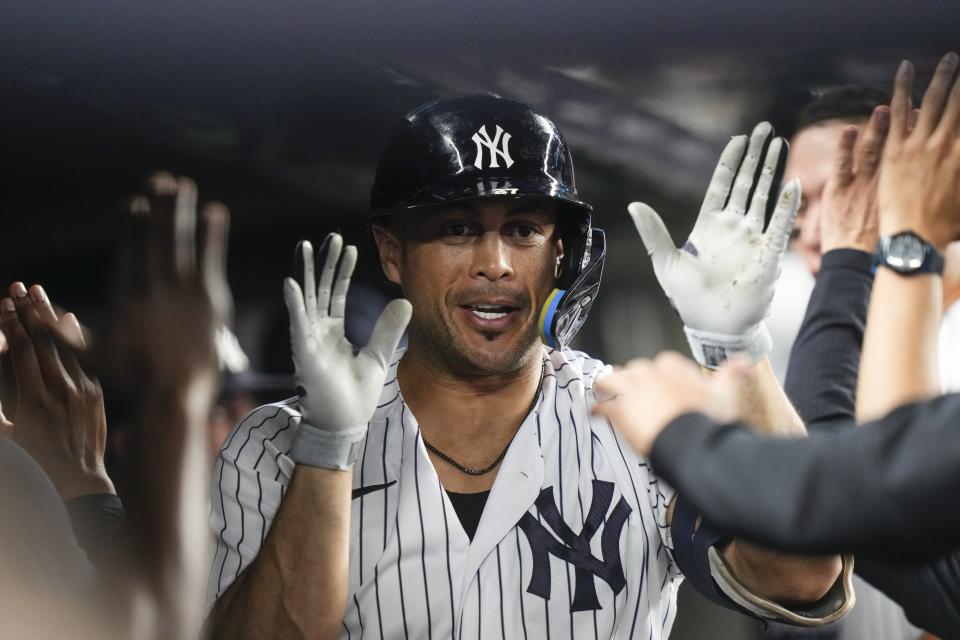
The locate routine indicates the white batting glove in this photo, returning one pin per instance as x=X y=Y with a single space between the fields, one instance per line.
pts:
x=338 y=389
x=722 y=280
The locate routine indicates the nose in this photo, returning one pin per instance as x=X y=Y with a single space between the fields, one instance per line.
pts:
x=491 y=260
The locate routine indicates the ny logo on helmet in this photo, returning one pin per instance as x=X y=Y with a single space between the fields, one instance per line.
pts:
x=498 y=146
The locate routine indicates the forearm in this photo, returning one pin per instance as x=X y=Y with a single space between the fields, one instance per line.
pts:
x=168 y=511
x=763 y=404
x=899 y=361
x=297 y=586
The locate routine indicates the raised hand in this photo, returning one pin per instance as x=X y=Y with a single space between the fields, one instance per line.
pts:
x=919 y=186
x=722 y=280
x=171 y=294
x=60 y=419
x=849 y=218
x=338 y=387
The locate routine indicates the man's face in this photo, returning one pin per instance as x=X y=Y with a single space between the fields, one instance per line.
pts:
x=812 y=152
x=477 y=274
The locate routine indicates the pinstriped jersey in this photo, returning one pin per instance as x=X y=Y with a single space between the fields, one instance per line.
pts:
x=572 y=542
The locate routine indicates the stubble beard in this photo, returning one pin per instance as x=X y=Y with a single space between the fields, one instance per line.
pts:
x=440 y=344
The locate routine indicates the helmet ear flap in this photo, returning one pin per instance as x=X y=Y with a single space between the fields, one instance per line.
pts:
x=566 y=308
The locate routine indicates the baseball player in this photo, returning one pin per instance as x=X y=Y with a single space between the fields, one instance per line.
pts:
x=461 y=487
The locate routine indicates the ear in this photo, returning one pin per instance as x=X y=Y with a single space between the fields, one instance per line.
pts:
x=390 y=252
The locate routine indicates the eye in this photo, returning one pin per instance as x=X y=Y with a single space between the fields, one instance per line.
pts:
x=524 y=231
x=456 y=230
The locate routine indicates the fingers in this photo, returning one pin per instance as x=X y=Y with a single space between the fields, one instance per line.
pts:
x=777 y=235
x=871 y=144
x=306 y=266
x=213 y=259
x=389 y=329
x=729 y=376
x=338 y=301
x=745 y=179
x=843 y=171
x=132 y=270
x=185 y=230
x=912 y=120
x=299 y=321
x=950 y=122
x=64 y=333
x=935 y=97
x=51 y=366
x=653 y=233
x=26 y=368
x=334 y=246
x=772 y=163
x=69 y=339
x=162 y=241
x=901 y=103
x=724 y=174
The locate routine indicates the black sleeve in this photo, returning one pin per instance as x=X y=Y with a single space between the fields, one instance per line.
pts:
x=929 y=593
x=98 y=522
x=888 y=487
x=821 y=378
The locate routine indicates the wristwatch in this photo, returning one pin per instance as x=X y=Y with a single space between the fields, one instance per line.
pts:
x=908 y=254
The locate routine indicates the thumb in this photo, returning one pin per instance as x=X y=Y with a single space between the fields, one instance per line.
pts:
x=730 y=375
x=389 y=329
x=652 y=232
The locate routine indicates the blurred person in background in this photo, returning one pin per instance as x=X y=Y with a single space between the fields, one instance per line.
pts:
x=141 y=572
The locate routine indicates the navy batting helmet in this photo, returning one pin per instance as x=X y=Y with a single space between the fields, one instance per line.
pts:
x=480 y=146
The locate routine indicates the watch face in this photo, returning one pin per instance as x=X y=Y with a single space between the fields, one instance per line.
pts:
x=906 y=252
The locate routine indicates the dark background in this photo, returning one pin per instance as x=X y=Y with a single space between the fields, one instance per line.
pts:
x=279 y=109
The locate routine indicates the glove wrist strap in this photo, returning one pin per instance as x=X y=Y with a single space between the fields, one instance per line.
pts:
x=336 y=450
x=713 y=349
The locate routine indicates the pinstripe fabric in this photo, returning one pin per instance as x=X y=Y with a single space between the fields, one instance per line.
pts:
x=413 y=571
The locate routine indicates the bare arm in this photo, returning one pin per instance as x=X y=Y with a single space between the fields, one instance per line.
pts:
x=297 y=585
x=158 y=353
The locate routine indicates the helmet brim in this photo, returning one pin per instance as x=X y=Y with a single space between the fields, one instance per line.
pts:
x=451 y=191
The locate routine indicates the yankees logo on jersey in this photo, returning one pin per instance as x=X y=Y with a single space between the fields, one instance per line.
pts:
x=572 y=543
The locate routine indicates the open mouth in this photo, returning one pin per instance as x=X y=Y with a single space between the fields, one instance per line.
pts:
x=490 y=311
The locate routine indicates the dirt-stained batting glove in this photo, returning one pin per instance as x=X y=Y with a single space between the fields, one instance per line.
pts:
x=721 y=281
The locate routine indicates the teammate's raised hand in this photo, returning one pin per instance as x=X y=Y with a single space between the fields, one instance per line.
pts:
x=338 y=387
x=60 y=419
x=919 y=186
x=722 y=279
x=849 y=218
